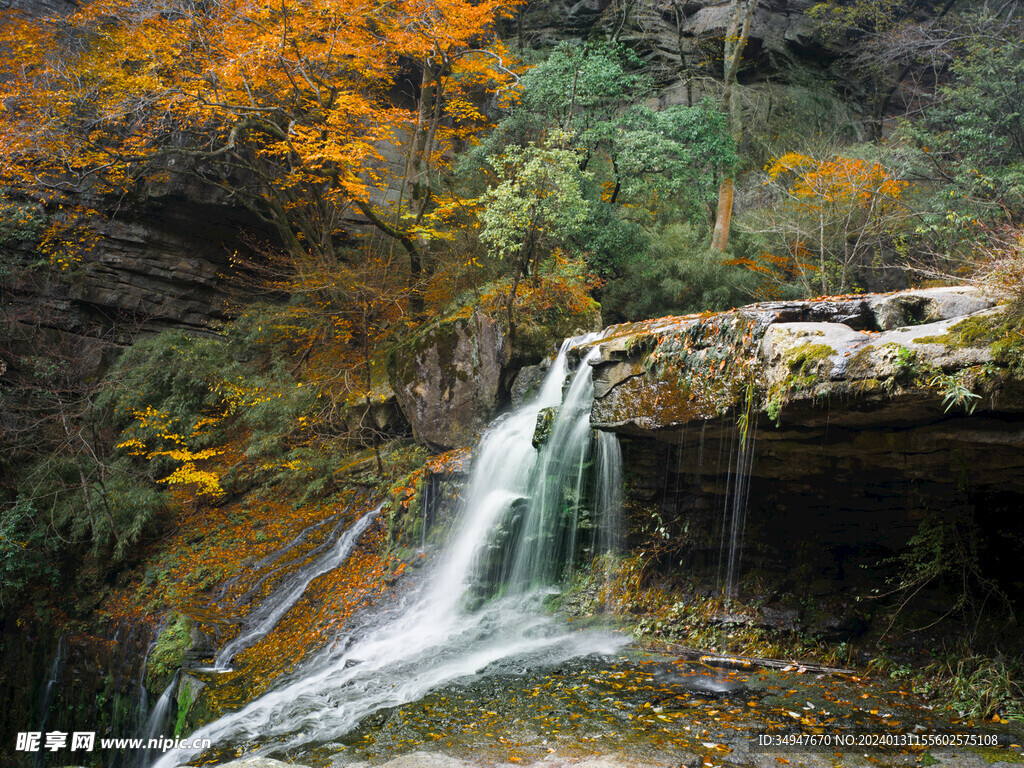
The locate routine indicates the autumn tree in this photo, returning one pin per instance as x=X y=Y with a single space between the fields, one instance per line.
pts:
x=835 y=216
x=285 y=108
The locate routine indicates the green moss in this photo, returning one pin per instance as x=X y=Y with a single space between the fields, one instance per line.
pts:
x=997 y=755
x=806 y=359
x=977 y=331
x=169 y=652
x=185 y=699
x=1003 y=333
x=194 y=711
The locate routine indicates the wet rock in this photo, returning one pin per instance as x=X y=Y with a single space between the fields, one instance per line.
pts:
x=437 y=760
x=545 y=420
x=412 y=760
x=786 y=619
x=526 y=383
x=452 y=378
x=927 y=306
x=710 y=686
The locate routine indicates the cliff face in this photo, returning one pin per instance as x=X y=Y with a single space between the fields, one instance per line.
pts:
x=39 y=7
x=156 y=265
x=835 y=426
x=682 y=39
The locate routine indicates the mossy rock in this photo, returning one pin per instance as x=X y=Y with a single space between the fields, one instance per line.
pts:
x=192 y=709
x=545 y=421
x=174 y=640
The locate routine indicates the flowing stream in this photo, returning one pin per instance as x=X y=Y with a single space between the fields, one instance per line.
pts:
x=479 y=610
x=271 y=611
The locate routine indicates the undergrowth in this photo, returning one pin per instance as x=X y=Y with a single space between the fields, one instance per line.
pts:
x=969 y=676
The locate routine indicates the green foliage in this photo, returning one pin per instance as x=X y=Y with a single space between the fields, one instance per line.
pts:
x=25 y=550
x=190 y=381
x=578 y=88
x=955 y=392
x=174 y=373
x=677 y=274
x=980 y=686
x=970 y=148
x=946 y=551
x=607 y=240
x=671 y=159
x=20 y=222
x=536 y=205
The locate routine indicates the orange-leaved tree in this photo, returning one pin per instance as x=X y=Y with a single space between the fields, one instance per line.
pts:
x=835 y=216
x=290 y=107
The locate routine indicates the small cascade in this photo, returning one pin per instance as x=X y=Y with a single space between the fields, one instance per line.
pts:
x=52 y=681
x=267 y=564
x=480 y=605
x=272 y=610
x=158 y=724
x=52 y=686
x=140 y=696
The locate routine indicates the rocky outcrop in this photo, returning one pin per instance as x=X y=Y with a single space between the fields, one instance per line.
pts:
x=448 y=379
x=453 y=377
x=682 y=40
x=831 y=428
x=877 y=359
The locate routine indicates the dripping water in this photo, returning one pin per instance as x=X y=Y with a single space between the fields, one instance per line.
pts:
x=736 y=508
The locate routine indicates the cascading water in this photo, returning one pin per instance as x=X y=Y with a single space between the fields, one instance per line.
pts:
x=158 y=722
x=514 y=539
x=272 y=610
x=734 y=511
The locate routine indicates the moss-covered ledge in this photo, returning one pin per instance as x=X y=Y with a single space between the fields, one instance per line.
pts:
x=840 y=359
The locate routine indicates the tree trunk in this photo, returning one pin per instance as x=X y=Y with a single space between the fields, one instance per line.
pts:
x=741 y=12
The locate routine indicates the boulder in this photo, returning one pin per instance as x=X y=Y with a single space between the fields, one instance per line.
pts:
x=448 y=378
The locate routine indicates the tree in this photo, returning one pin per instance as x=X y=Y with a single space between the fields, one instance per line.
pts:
x=536 y=205
x=594 y=94
x=741 y=14
x=835 y=216
x=284 y=107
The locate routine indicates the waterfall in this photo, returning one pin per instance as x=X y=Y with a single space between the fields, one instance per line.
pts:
x=56 y=670
x=480 y=603
x=51 y=682
x=157 y=724
x=735 y=511
x=272 y=610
